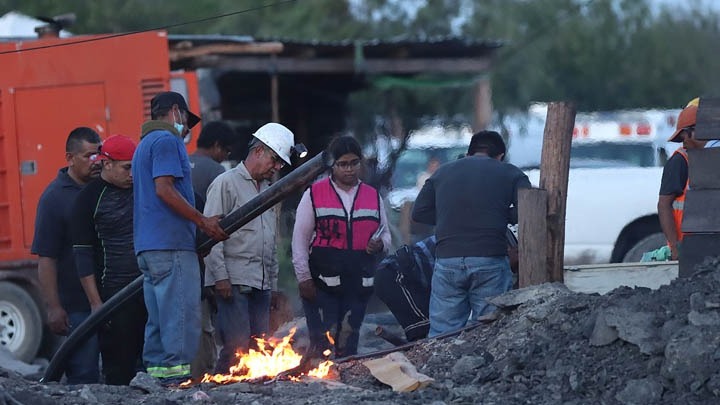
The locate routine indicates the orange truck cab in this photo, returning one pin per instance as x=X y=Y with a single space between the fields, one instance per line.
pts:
x=47 y=88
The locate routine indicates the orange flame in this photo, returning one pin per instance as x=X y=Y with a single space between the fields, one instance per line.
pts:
x=322 y=370
x=272 y=358
x=330 y=338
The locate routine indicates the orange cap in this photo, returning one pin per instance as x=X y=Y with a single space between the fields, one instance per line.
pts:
x=687 y=118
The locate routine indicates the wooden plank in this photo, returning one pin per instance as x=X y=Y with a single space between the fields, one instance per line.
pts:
x=183 y=51
x=707 y=125
x=704 y=166
x=604 y=278
x=554 y=172
x=532 y=233
x=274 y=98
x=342 y=66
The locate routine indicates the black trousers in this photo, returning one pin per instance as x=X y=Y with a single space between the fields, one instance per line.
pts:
x=122 y=339
x=408 y=301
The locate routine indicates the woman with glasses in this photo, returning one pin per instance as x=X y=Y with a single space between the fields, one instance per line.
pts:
x=340 y=230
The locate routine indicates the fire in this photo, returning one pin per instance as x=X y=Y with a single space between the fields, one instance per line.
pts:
x=329 y=338
x=272 y=358
x=322 y=370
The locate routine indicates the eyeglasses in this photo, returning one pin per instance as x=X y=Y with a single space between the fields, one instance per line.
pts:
x=348 y=164
x=275 y=158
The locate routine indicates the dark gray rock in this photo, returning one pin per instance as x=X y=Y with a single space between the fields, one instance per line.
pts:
x=9 y=362
x=636 y=327
x=690 y=356
x=670 y=327
x=641 y=392
x=465 y=368
x=87 y=394
x=713 y=385
x=704 y=318
x=542 y=293
x=697 y=301
x=147 y=383
x=602 y=333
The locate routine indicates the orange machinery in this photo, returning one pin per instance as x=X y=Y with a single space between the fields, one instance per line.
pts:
x=47 y=88
x=50 y=86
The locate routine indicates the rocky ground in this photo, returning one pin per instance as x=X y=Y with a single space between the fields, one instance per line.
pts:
x=549 y=346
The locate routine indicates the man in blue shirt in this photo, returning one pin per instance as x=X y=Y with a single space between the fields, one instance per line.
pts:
x=164 y=226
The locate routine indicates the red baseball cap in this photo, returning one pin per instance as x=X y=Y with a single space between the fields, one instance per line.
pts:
x=687 y=118
x=117 y=147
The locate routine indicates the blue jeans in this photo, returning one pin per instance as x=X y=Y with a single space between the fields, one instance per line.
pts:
x=172 y=296
x=82 y=366
x=339 y=314
x=244 y=315
x=460 y=285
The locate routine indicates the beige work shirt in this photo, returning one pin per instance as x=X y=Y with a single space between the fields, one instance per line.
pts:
x=249 y=256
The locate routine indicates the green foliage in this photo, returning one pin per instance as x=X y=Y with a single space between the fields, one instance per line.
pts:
x=602 y=54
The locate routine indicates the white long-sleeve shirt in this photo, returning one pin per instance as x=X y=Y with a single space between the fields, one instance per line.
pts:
x=305 y=228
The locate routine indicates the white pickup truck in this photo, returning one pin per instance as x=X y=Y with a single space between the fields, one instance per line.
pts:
x=615 y=171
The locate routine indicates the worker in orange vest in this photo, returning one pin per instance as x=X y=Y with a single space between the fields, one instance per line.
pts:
x=675 y=181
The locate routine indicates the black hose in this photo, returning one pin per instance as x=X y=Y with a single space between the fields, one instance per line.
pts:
x=409 y=345
x=296 y=180
x=56 y=368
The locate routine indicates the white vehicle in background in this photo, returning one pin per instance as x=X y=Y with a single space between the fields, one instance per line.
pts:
x=424 y=145
x=428 y=144
x=615 y=172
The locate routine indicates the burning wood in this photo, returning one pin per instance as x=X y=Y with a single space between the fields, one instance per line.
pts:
x=274 y=359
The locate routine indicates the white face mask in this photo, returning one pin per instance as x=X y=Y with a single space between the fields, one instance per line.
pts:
x=178 y=126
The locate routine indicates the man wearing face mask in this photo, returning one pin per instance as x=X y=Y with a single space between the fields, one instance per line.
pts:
x=243 y=270
x=164 y=224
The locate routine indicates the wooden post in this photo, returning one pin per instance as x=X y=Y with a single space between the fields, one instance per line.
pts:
x=533 y=236
x=554 y=172
x=483 y=103
x=275 y=103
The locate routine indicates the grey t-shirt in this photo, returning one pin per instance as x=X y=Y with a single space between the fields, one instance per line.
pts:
x=204 y=170
x=469 y=201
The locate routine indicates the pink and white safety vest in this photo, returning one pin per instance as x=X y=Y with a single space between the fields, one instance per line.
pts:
x=338 y=249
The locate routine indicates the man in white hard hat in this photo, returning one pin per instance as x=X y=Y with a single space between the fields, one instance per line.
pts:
x=244 y=269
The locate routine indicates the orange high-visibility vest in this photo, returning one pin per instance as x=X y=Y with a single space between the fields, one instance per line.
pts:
x=679 y=201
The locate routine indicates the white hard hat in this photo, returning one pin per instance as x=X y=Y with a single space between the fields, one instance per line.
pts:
x=278 y=138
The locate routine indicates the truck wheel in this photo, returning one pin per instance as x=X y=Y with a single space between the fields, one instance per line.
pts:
x=646 y=244
x=20 y=322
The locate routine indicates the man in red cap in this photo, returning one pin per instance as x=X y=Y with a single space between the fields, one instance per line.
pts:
x=102 y=236
x=674 y=181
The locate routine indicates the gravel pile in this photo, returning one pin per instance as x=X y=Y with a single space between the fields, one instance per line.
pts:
x=548 y=346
